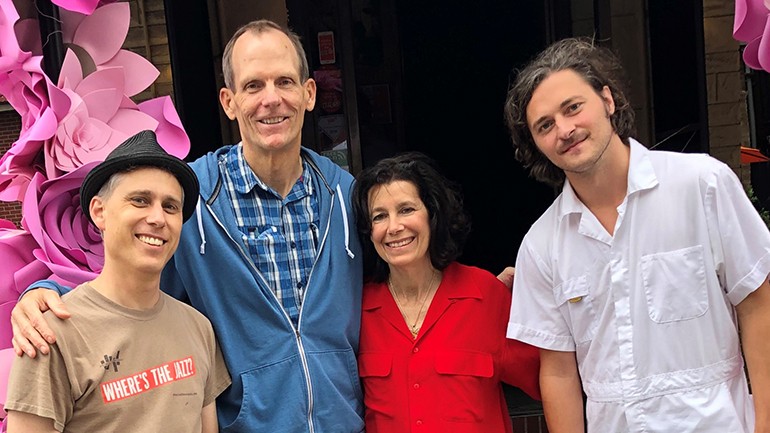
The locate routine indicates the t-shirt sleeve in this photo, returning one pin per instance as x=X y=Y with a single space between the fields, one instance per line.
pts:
x=535 y=315
x=219 y=377
x=41 y=387
x=739 y=238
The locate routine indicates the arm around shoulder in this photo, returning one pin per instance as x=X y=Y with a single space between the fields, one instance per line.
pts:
x=30 y=330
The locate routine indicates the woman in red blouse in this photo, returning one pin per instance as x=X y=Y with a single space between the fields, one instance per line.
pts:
x=433 y=351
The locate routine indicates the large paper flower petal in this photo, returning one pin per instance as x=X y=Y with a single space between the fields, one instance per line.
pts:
x=11 y=54
x=24 y=159
x=68 y=244
x=19 y=35
x=102 y=34
x=170 y=132
x=82 y=6
x=40 y=105
x=750 y=17
x=99 y=119
x=756 y=54
x=19 y=270
x=752 y=25
x=139 y=72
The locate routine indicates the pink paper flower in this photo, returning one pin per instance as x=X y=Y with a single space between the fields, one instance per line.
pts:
x=89 y=113
x=26 y=88
x=100 y=117
x=83 y=6
x=752 y=25
x=67 y=244
x=19 y=270
x=98 y=40
x=28 y=92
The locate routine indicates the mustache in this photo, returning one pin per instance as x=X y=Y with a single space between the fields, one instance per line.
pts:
x=575 y=137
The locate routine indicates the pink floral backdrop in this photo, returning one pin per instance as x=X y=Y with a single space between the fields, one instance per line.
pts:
x=67 y=127
x=752 y=25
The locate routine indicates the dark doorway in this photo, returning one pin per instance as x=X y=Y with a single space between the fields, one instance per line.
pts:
x=678 y=76
x=457 y=60
x=195 y=84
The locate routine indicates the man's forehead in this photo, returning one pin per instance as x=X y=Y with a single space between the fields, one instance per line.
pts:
x=264 y=49
x=147 y=175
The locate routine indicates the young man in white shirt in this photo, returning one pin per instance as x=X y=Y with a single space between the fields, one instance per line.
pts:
x=632 y=281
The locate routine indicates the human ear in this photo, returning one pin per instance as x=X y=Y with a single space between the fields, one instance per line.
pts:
x=96 y=208
x=226 y=100
x=310 y=88
x=609 y=101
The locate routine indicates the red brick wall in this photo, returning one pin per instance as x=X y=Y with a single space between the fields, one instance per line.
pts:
x=10 y=125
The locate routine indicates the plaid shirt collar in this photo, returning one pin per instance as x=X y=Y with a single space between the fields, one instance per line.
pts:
x=246 y=180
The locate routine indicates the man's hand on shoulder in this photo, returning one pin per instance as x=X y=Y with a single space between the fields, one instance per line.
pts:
x=30 y=330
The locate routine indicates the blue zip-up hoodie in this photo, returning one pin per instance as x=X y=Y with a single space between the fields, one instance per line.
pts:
x=286 y=379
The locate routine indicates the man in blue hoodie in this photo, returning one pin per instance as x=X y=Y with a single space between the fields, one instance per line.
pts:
x=270 y=256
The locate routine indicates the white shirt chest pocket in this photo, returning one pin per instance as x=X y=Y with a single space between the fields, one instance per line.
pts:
x=675 y=284
x=576 y=304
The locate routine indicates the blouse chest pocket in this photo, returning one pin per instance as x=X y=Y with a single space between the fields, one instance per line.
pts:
x=577 y=304
x=465 y=380
x=675 y=284
x=461 y=363
x=374 y=364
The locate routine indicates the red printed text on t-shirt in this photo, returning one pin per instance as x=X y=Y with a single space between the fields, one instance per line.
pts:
x=146 y=380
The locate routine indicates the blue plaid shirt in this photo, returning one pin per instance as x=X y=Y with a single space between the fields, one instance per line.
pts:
x=280 y=234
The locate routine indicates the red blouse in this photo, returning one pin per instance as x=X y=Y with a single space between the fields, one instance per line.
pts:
x=449 y=378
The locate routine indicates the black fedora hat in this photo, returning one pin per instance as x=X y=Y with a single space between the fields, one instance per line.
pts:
x=140 y=150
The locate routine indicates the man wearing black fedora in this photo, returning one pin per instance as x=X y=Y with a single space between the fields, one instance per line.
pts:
x=130 y=357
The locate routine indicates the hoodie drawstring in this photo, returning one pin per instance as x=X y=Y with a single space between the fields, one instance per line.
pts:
x=345 y=222
x=199 y=217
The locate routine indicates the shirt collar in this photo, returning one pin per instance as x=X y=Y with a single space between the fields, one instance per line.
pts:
x=455 y=285
x=247 y=180
x=641 y=176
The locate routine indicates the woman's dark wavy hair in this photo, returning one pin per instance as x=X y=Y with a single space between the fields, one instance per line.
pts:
x=449 y=224
x=597 y=65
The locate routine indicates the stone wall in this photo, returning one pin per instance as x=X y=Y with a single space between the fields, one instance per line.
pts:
x=10 y=124
x=726 y=87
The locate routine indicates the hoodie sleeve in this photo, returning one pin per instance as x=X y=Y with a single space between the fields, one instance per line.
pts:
x=171 y=283
x=47 y=284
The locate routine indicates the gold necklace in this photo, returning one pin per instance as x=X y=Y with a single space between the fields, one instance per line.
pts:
x=413 y=328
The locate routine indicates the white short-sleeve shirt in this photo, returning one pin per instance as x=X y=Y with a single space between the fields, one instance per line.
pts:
x=649 y=311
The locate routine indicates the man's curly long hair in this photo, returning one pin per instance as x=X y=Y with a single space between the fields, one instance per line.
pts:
x=598 y=66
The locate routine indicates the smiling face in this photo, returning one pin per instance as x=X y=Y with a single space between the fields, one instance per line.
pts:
x=267 y=99
x=570 y=122
x=140 y=220
x=400 y=224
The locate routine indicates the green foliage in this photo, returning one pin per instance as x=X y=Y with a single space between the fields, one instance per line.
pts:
x=764 y=213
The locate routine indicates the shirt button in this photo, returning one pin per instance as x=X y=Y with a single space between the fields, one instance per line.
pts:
x=416 y=386
x=418 y=422
x=299 y=285
x=416 y=349
x=293 y=244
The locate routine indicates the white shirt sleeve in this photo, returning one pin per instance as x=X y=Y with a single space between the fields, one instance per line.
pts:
x=739 y=238
x=535 y=314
